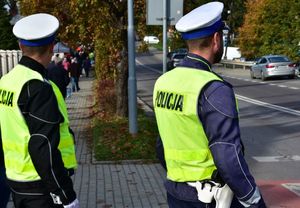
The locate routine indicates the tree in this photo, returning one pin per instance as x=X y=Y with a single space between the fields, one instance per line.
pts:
x=102 y=24
x=270 y=27
x=7 y=40
x=234 y=19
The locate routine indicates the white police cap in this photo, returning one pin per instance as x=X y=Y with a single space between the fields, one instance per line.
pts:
x=202 y=21
x=37 y=29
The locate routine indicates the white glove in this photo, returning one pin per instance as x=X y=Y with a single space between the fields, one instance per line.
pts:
x=74 y=204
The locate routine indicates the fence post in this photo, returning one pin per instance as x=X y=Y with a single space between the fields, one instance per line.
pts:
x=15 y=57
x=4 y=62
x=1 y=63
x=19 y=55
x=9 y=60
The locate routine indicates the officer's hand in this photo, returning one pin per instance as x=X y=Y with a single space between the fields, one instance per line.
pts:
x=74 y=204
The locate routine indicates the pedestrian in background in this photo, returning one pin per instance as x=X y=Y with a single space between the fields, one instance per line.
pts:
x=74 y=74
x=66 y=63
x=56 y=59
x=86 y=66
x=59 y=76
x=200 y=143
x=38 y=147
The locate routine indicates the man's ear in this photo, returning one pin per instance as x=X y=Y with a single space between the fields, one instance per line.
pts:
x=51 y=47
x=21 y=46
x=217 y=41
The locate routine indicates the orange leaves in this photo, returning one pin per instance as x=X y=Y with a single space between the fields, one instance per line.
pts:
x=270 y=26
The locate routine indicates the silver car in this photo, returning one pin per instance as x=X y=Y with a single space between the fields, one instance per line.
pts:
x=273 y=66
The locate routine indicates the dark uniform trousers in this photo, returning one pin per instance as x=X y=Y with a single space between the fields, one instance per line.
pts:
x=44 y=201
x=176 y=203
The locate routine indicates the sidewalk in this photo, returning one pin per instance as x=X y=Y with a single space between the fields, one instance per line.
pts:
x=103 y=185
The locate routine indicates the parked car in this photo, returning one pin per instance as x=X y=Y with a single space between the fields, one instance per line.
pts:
x=273 y=66
x=297 y=70
x=178 y=50
x=151 y=40
x=174 y=60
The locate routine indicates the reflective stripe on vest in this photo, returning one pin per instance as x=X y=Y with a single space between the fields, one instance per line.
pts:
x=175 y=101
x=66 y=143
x=15 y=133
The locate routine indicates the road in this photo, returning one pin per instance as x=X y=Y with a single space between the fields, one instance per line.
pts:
x=269 y=121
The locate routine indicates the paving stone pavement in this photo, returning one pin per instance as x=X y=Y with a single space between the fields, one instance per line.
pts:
x=105 y=185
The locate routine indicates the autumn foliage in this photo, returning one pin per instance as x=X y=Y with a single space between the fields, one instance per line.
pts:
x=102 y=24
x=270 y=27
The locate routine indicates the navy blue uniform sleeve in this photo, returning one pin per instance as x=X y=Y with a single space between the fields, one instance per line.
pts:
x=160 y=152
x=1 y=152
x=43 y=117
x=219 y=116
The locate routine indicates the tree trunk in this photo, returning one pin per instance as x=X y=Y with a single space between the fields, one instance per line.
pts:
x=122 y=79
x=122 y=86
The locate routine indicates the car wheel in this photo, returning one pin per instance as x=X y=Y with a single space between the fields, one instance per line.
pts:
x=252 y=75
x=292 y=76
x=263 y=78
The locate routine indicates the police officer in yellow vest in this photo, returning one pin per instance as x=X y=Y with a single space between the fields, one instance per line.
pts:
x=197 y=118
x=38 y=147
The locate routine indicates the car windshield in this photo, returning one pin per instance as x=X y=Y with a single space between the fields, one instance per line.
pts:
x=277 y=59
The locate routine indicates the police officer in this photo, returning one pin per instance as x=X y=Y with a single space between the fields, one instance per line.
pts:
x=196 y=112
x=38 y=148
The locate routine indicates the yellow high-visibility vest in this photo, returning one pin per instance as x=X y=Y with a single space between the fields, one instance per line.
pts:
x=15 y=133
x=175 y=101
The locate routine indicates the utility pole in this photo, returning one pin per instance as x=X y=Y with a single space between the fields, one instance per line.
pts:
x=229 y=15
x=132 y=104
x=165 y=38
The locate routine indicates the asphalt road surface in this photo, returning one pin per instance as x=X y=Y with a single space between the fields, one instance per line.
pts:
x=269 y=121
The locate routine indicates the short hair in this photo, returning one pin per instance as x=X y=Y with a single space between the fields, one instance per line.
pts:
x=35 y=50
x=200 y=42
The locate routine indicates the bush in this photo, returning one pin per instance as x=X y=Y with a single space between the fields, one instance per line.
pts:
x=111 y=137
x=112 y=140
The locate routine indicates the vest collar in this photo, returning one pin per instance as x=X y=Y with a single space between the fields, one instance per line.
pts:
x=195 y=61
x=34 y=65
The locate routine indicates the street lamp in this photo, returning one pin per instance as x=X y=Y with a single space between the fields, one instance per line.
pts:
x=226 y=36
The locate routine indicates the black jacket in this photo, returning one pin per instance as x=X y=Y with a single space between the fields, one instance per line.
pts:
x=39 y=106
x=1 y=153
x=59 y=76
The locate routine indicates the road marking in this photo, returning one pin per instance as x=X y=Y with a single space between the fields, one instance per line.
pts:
x=293 y=187
x=246 y=99
x=286 y=158
x=283 y=86
x=268 y=105
x=148 y=67
x=262 y=82
x=281 y=193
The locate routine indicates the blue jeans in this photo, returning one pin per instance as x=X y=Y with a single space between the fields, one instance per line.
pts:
x=4 y=189
x=74 y=82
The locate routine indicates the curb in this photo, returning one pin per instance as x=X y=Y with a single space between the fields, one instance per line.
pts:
x=148 y=110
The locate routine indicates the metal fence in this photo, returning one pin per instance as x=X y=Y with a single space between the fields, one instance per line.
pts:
x=237 y=64
x=8 y=59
